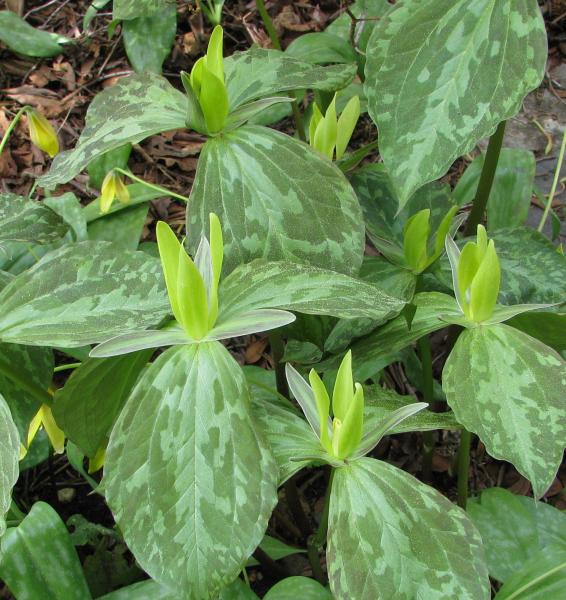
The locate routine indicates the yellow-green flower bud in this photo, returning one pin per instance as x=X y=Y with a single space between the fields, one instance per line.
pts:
x=112 y=187
x=42 y=133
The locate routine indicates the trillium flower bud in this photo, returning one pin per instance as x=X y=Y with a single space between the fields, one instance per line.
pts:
x=112 y=187
x=42 y=133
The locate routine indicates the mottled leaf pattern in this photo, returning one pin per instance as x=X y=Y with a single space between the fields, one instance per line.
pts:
x=441 y=74
x=39 y=560
x=9 y=453
x=277 y=199
x=135 y=108
x=86 y=407
x=510 y=390
x=22 y=220
x=132 y=9
x=257 y=73
x=82 y=293
x=391 y=536
x=188 y=478
x=514 y=528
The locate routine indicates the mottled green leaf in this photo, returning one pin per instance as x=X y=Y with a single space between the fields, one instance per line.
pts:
x=132 y=9
x=124 y=228
x=86 y=407
x=542 y=578
x=510 y=390
x=185 y=444
x=278 y=199
x=22 y=38
x=510 y=195
x=82 y=293
x=9 y=455
x=135 y=108
x=378 y=349
x=141 y=340
x=321 y=48
x=258 y=72
x=304 y=289
x=514 y=528
x=25 y=375
x=22 y=220
x=148 y=40
x=441 y=75
x=391 y=536
x=292 y=588
x=143 y=590
x=39 y=560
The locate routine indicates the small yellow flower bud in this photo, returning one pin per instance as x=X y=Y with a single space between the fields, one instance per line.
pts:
x=112 y=187
x=42 y=133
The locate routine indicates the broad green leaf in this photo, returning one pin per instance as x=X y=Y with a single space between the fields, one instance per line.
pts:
x=548 y=327
x=302 y=288
x=542 y=578
x=278 y=199
x=135 y=108
x=187 y=426
x=275 y=549
x=391 y=536
x=532 y=271
x=39 y=560
x=142 y=590
x=321 y=48
x=237 y=590
x=22 y=220
x=510 y=195
x=141 y=340
x=441 y=75
x=250 y=322
x=123 y=228
x=514 y=528
x=25 y=375
x=132 y=9
x=9 y=456
x=99 y=167
x=510 y=390
x=22 y=38
x=80 y=294
x=159 y=30
x=257 y=73
x=292 y=588
x=378 y=349
x=86 y=407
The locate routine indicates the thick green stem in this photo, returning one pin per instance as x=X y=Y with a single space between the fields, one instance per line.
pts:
x=428 y=396
x=318 y=540
x=151 y=186
x=11 y=127
x=464 y=467
x=268 y=24
x=486 y=180
x=554 y=184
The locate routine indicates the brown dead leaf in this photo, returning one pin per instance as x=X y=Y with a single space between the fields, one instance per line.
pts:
x=255 y=350
x=41 y=99
x=8 y=167
x=290 y=20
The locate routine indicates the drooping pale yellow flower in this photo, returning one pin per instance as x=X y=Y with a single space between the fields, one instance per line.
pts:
x=112 y=187
x=44 y=417
x=42 y=133
x=97 y=461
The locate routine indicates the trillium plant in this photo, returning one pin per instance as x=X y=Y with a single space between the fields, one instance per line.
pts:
x=338 y=251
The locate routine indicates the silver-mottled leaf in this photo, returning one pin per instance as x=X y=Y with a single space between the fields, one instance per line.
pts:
x=135 y=108
x=441 y=74
x=9 y=455
x=190 y=481
x=510 y=390
x=82 y=293
x=392 y=537
x=254 y=321
x=278 y=199
x=140 y=340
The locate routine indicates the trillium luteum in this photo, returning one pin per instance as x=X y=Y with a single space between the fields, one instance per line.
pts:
x=42 y=133
x=112 y=187
x=341 y=436
x=44 y=418
x=206 y=89
x=330 y=134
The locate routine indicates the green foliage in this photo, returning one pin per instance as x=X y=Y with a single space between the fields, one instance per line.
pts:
x=9 y=452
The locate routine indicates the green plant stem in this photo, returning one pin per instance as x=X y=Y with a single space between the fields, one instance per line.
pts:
x=268 y=24
x=67 y=367
x=464 y=467
x=428 y=396
x=11 y=127
x=554 y=184
x=486 y=180
x=152 y=186
x=317 y=541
